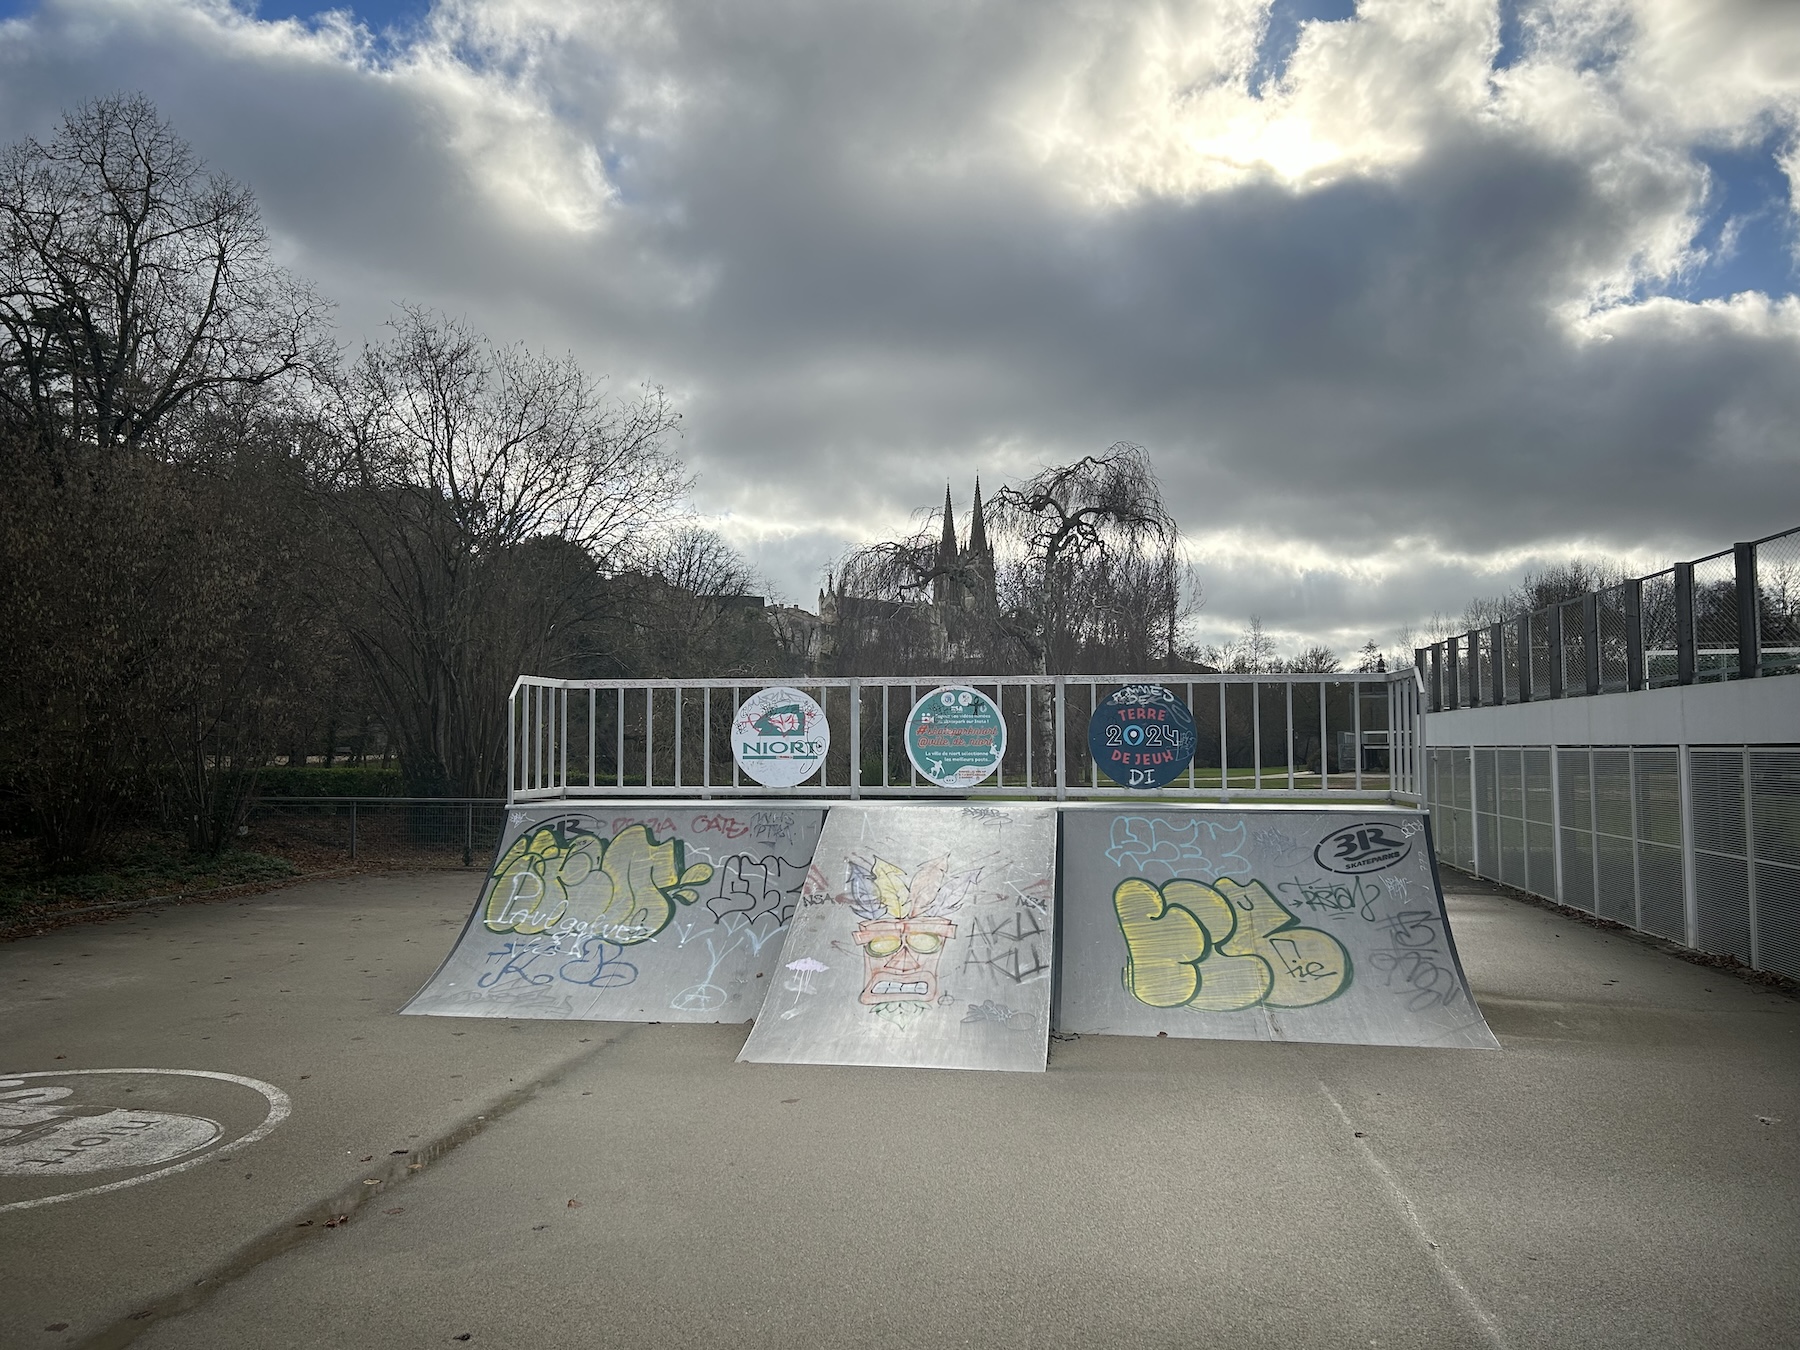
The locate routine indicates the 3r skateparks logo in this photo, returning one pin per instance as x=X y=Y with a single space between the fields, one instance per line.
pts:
x=1372 y=846
x=76 y=1132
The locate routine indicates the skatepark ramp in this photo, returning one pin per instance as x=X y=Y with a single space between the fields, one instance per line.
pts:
x=923 y=938
x=636 y=912
x=1262 y=923
x=959 y=934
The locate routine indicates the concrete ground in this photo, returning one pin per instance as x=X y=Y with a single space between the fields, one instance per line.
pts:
x=1624 y=1172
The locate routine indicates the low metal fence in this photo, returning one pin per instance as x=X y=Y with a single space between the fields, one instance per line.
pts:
x=1346 y=735
x=382 y=829
x=1733 y=615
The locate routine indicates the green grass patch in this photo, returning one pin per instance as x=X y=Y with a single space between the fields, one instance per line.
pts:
x=135 y=869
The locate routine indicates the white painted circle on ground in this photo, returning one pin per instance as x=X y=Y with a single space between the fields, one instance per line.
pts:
x=780 y=737
x=68 y=1125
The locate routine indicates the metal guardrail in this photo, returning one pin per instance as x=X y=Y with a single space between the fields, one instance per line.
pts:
x=1344 y=735
x=1733 y=615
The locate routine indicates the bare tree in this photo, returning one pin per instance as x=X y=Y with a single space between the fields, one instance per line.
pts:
x=1252 y=652
x=1095 y=562
x=879 y=621
x=1315 y=660
x=240 y=650
x=482 y=489
x=137 y=296
x=134 y=284
x=689 y=605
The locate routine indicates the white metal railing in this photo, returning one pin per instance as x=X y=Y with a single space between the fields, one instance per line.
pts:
x=1346 y=736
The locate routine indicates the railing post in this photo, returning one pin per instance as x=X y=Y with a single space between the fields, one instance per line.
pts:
x=1690 y=889
x=512 y=746
x=855 y=738
x=1062 y=767
x=1526 y=652
x=469 y=834
x=1634 y=633
x=1417 y=749
x=1743 y=557
x=353 y=829
x=1497 y=663
x=1685 y=656
x=1553 y=638
x=1590 y=639
x=1474 y=816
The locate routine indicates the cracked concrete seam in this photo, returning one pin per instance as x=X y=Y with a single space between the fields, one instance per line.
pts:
x=341 y=1208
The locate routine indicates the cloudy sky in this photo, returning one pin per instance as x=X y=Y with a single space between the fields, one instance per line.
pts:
x=1403 y=297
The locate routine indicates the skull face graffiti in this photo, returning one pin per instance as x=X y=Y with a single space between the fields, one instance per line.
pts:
x=900 y=958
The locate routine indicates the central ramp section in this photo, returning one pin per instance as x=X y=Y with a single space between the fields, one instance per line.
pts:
x=923 y=939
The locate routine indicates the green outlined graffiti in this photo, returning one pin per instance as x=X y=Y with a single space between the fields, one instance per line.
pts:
x=625 y=889
x=1223 y=947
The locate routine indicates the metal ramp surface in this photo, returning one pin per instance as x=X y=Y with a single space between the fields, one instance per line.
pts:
x=923 y=938
x=1260 y=923
x=629 y=912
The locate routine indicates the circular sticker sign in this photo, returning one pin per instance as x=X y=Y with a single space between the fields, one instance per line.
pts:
x=1142 y=737
x=955 y=736
x=779 y=737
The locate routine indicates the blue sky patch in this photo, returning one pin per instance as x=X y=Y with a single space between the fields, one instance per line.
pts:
x=376 y=15
x=1512 y=35
x=1286 y=18
x=1748 y=228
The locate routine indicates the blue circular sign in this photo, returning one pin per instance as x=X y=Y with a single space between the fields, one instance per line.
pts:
x=1142 y=737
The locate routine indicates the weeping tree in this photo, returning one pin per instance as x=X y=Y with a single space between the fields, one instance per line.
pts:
x=1083 y=574
x=481 y=493
x=1094 y=579
x=880 y=621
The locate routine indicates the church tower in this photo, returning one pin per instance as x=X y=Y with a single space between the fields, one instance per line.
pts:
x=943 y=589
x=980 y=556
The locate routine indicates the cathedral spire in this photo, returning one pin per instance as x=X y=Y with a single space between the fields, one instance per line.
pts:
x=978 y=541
x=946 y=559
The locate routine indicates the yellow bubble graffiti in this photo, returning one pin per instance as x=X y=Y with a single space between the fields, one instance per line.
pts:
x=1222 y=948
x=626 y=890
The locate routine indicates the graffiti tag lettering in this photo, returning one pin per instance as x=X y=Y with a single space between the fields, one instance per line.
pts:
x=557 y=875
x=1194 y=847
x=1223 y=947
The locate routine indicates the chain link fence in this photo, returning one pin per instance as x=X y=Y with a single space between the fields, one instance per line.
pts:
x=408 y=831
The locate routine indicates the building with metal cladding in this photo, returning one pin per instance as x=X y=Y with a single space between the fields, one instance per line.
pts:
x=1634 y=753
